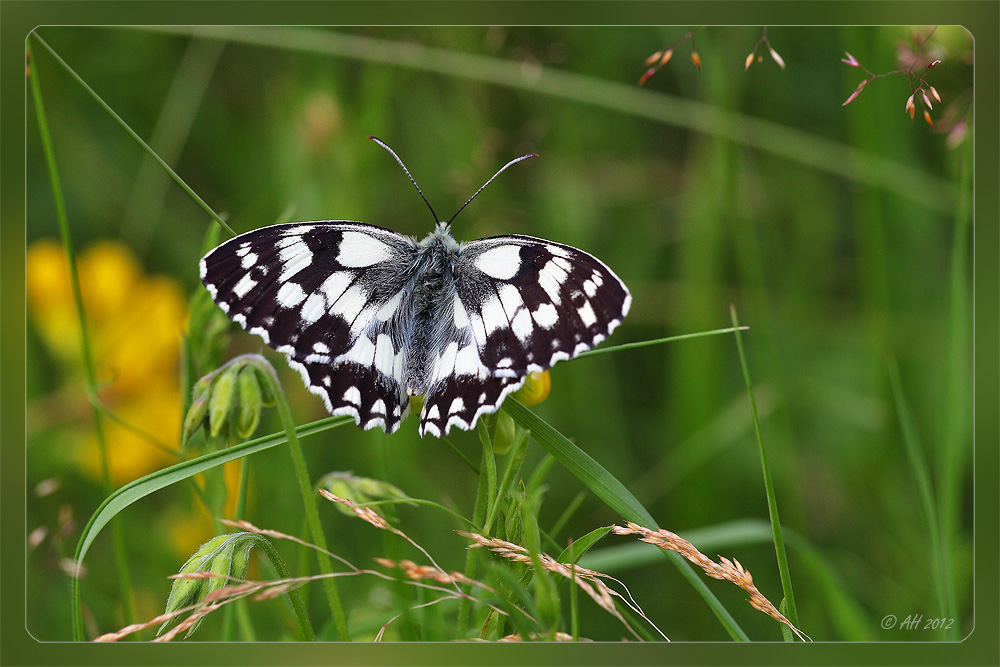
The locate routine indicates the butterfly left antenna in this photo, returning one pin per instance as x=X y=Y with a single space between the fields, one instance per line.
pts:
x=393 y=154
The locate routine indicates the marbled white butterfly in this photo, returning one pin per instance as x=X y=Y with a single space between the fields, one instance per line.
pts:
x=370 y=317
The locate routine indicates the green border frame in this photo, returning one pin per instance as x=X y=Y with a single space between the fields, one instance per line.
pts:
x=19 y=17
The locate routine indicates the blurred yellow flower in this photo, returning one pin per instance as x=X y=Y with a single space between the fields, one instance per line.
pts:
x=535 y=390
x=134 y=322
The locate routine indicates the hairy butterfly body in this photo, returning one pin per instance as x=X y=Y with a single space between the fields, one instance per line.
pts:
x=370 y=317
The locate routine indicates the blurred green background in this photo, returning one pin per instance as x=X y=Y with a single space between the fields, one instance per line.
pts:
x=840 y=234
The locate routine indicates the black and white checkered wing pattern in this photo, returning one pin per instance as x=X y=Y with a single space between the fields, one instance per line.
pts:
x=520 y=304
x=327 y=295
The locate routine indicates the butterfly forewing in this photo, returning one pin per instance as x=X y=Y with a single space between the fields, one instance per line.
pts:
x=330 y=296
x=519 y=305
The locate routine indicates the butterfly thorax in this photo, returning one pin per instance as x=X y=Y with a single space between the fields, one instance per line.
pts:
x=431 y=291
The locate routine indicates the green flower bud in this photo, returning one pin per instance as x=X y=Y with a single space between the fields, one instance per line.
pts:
x=504 y=435
x=194 y=418
x=227 y=555
x=221 y=402
x=250 y=403
x=268 y=399
x=359 y=489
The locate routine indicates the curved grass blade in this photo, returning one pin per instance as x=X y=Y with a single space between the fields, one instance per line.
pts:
x=606 y=487
x=140 y=488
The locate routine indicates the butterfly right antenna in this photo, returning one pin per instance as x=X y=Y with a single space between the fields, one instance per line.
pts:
x=500 y=171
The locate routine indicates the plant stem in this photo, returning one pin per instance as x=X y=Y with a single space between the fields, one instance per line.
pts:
x=293 y=594
x=478 y=516
x=118 y=537
x=311 y=510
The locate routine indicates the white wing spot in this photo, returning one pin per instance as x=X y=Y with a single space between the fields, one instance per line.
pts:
x=456 y=406
x=501 y=262
x=385 y=355
x=361 y=353
x=589 y=287
x=352 y=395
x=358 y=250
x=290 y=295
x=433 y=413
x=389 y=309
x=461 y=317
x=445 y=364
x=493 y=315
x=587 y=315
x=550 y=285
x=245 y=284
x=248 y=260
x=350 y=304
x=334 y=285
x=555 y=250
x=313 y=308
x=378 y=408
x=510 y=297
x=322 y=348
x=296 y=256
x=467 y=361
x=546 y=315
x=522 y=326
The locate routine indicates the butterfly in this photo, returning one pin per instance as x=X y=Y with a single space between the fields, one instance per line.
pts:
x=370 y=317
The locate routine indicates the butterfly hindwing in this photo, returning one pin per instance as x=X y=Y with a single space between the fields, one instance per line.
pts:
x=520 y=305
x=328 y=295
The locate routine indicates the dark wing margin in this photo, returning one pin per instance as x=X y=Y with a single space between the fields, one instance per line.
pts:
x=328 y=296
x=520 y=305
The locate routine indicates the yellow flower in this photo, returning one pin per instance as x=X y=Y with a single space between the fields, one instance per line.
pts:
x=134 y=322
x=535 y=390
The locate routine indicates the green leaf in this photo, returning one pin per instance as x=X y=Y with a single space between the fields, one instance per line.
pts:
x=572 y=553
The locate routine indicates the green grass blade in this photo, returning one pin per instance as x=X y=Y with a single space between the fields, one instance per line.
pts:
x=573 y=552
x=118 y=537
x=772 y=501
x=140 y=488
x=925 y=492
x=604 y=485
x=118 y=119
x=655 y=341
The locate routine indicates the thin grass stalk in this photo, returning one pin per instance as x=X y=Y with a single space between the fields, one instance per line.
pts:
x=772 y=501
x=514 y=458
x=957 y=381
x=311 y=508
x=239 y=514
x=90 y=382
x=118 y=119
x=478 y=518
x=490 y=467
x=925 y=491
